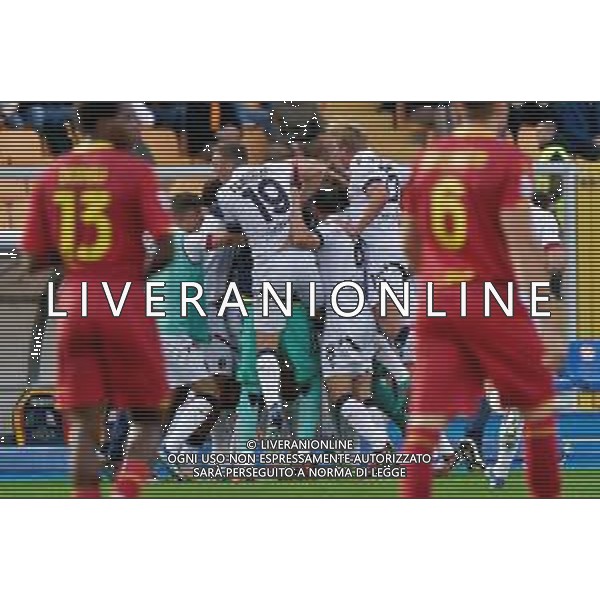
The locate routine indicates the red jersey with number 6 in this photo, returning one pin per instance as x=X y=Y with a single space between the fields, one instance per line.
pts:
x=91 y=208
x=458 y=191
x=455 y=198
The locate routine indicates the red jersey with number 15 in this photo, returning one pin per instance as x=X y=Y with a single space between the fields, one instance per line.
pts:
x=457 y=192
x=91 y=208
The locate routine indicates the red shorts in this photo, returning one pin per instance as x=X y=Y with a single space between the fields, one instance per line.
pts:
x=102 y=358
x=455 y=356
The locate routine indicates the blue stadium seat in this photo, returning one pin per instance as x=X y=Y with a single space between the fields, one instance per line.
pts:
x=582 y=368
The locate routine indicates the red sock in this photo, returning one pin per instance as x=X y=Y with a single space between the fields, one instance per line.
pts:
x=420 y=440
x=541 y=457
x=132 y=477
x=87 y=492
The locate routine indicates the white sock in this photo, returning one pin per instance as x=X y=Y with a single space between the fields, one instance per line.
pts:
x=189 y=416
x=269 y=378
x=509 y=439
x=369 y=422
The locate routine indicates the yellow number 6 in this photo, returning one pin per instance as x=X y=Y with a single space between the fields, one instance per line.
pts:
x=448 y=214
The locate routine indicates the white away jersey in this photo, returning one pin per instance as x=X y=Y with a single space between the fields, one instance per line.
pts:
x=258 y=199
x=340 y=258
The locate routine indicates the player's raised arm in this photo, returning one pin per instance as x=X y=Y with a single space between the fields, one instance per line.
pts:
x=379 y=186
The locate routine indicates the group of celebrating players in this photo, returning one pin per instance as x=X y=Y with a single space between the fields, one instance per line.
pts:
x=269 y=356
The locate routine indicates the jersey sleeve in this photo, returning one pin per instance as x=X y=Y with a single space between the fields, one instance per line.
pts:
x=37 y=239
x=157 y=219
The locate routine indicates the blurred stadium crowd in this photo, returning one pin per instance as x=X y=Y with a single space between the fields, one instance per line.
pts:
x=184 y=133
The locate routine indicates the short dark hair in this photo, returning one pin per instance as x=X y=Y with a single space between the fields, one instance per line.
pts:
x=479 y=110
x=186 y=201
x=90 y=113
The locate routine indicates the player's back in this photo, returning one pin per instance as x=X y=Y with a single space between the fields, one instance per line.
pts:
x=258 y=198
x=456 y=195
x=92 y=207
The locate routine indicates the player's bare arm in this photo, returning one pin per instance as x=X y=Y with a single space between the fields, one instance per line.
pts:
x=162 y=256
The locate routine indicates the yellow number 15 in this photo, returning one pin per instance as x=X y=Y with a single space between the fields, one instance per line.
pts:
x=93 y=212
x=448 y=214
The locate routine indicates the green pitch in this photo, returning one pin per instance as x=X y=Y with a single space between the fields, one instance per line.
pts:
x=576 y=484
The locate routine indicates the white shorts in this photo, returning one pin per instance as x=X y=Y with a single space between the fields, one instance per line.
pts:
x=187 y=362
x=349 y=345
x=299 y=267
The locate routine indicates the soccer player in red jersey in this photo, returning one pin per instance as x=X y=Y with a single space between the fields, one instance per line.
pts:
x=88 y=215
x=468 y=222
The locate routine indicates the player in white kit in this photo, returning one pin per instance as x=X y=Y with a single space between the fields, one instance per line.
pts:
x=266 y=202
x=348 y=343
x=212 y=246
x=373 y=219
x=352 y=345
